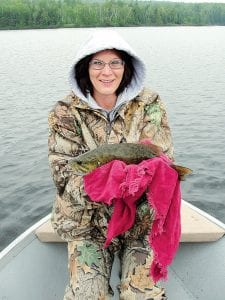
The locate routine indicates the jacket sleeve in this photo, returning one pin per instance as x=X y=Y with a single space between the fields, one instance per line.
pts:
x=156 y=125
x=61 y=147
x=71 y=214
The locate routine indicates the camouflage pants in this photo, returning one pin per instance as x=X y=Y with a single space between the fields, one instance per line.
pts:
x=90 y=273
x=90 y=265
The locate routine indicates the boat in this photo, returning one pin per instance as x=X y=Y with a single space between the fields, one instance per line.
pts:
x=34 y=265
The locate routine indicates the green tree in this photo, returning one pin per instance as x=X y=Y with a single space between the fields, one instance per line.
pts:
x=78 y=13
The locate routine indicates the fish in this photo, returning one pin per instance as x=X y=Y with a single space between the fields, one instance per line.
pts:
x=130 y=153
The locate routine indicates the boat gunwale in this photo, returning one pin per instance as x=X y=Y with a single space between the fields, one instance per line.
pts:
x=21 y=238
x=205 y=214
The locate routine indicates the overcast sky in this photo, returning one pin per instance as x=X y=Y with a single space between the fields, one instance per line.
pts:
x=199 y=1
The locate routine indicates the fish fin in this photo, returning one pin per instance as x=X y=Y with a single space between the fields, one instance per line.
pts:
x=157 y=150
x=182 y=171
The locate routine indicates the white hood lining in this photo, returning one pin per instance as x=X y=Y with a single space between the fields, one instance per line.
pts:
x=109 y=39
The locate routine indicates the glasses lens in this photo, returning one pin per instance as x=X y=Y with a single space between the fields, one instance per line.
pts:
x=97 y=64
x=116 y=64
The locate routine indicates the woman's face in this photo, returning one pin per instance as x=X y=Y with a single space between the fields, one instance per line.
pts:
x=106 y=80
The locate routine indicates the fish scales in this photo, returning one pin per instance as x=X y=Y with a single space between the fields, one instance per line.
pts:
x=130 y=153
x=127 y=152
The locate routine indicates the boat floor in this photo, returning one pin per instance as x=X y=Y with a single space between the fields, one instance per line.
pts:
x=197 y=272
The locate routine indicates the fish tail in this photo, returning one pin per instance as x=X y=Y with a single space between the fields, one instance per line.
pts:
x=182 y=171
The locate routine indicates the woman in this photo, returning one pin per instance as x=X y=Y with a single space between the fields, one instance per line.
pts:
x=108 y=104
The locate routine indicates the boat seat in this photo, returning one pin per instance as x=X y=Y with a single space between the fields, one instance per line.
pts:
x=195 y=226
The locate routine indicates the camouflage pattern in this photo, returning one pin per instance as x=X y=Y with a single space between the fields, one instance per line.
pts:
x=90 y=264
x=74 y=129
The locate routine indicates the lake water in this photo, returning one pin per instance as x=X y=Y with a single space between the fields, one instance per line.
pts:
x=186 y=66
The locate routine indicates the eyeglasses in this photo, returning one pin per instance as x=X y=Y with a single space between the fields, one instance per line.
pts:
x=97 y=64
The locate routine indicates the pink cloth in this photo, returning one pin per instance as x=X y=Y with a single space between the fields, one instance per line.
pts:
x=122 y=185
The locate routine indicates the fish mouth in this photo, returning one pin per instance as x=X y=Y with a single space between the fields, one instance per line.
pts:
x=79 y=169
x=78 y=173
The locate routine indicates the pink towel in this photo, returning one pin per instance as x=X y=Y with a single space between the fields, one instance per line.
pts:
x=122 y=185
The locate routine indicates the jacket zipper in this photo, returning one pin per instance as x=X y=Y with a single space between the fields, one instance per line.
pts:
x=108 y=128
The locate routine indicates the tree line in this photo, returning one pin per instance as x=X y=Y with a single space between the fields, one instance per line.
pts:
x=18 y=14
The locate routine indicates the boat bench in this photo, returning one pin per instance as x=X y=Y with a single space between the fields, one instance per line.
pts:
x=196 y=226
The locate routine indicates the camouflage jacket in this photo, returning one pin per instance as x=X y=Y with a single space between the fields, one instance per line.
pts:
x=76 y=128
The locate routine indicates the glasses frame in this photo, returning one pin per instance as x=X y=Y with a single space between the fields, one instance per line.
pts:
x=103 y=64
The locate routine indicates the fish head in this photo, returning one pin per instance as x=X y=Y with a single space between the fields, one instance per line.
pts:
x=83 y=167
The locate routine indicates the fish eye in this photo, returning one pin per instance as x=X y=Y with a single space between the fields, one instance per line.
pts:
x=79 y=162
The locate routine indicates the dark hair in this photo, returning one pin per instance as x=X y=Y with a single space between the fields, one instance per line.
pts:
x=83 y=79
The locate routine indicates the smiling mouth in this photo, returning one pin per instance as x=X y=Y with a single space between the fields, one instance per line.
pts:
x=107 y=81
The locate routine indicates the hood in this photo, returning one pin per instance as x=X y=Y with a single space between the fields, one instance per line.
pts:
x=109 y=39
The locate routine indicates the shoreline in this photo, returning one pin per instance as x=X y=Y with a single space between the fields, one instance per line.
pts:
x=83 y=27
